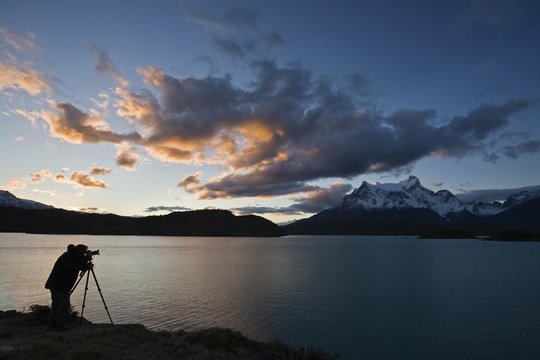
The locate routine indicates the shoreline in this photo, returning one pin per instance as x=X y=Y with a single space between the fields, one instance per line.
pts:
x=24 y=335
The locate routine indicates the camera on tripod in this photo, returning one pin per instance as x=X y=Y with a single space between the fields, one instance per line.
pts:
x=90 y=253
x=87 y=255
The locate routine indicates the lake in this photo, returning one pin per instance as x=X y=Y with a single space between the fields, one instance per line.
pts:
x=371 y=297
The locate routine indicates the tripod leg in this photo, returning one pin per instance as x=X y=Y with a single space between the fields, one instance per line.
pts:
x=77 y=283
x=102 y=298
x=84 y=298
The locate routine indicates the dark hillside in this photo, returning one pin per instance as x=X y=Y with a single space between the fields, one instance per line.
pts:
x=189 y=223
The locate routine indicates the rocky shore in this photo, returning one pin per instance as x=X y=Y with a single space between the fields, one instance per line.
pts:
x=23 y=335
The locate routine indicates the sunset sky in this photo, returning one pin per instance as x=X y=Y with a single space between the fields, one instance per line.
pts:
x=277 y=108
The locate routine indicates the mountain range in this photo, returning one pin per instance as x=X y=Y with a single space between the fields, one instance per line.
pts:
x=402 y=208
x=407 y=207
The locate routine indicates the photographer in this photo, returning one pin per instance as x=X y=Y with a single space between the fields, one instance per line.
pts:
x=63 y=277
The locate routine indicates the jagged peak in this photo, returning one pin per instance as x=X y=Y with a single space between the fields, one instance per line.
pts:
x=405 y=193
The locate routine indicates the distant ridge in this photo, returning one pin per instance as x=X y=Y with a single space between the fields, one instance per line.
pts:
x=7 y=199
x=17 y=216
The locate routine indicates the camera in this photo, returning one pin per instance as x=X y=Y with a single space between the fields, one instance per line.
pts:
x=90 y=253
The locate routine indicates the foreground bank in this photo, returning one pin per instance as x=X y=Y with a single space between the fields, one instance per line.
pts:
x=23 y=336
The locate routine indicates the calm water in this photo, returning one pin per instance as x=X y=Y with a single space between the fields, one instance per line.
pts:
x=366 y=297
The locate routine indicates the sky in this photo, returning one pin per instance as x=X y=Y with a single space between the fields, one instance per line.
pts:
x=275 y=108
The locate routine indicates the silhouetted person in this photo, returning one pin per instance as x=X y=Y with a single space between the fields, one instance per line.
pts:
x=63 y=277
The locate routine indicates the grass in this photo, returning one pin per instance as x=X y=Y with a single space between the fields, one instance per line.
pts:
x=23 y=336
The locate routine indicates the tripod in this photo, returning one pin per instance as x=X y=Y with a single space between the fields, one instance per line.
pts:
x=87 y=272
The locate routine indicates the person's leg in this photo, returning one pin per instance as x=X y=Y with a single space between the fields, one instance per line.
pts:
x=66 y=308
x=57 y=300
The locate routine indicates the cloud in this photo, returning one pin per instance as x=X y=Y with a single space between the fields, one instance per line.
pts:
x=487 y=195
x=92 y=210
x=85 y=180
x=230 y=47
x=31 y=116
x=527 y=147
x=438 y=183
x=249 y=210
x=289 y=127
x=126 y=156
x=314 y=201
x=236 y=31
x=71 y=124
x=81 y=179
x=100 y=171
x=17 y=40
x=234 y=18
x=19 y=138
x=166 y=208
x=40 y=176
x=26 y=78
x=190 y=182
x=14 y=184
x=321 y=198
x=106 y=67
x=241 y=49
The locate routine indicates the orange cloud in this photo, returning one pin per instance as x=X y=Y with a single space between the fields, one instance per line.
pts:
x=14 y=184
x=73 y=125
x=81 y=179
x=27 y=79
x=31 y=116
x=85 y=180
x=39 y=176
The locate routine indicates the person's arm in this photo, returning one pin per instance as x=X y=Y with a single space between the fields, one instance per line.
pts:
x=75 y=263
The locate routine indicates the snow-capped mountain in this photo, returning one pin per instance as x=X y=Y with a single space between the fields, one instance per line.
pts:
x=481 y=208
x=408 y=193
x=7 y=199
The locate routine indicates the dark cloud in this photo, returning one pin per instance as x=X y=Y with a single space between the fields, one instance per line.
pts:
x=248 y=48
x=92 y=210
x=230 y=47
x=527 y=147
x=486 y=119
x=490 y=157
x=493 y=194
x=106 y=67
x=166 y=208
x=236 y=32
x=321 y=198
x=249 y=210
x=314 y=201
x=289 y=127
x=272 y=38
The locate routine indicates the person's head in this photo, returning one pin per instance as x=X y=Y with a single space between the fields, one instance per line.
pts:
x=71 y=248
x=80 y=250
